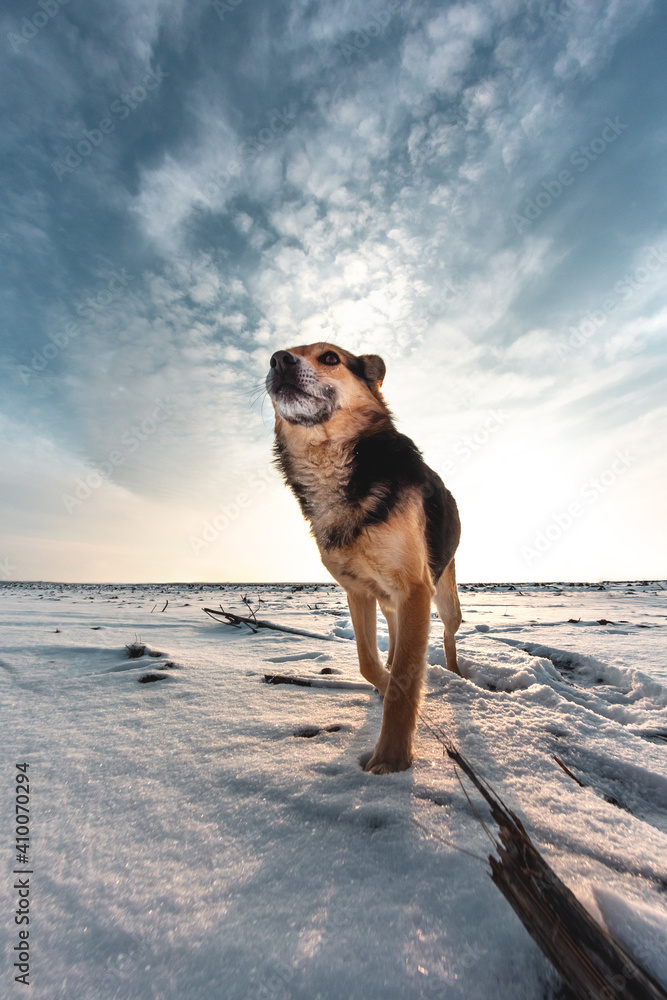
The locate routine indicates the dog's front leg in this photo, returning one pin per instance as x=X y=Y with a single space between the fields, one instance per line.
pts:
x=364 y=622
x=401 y=701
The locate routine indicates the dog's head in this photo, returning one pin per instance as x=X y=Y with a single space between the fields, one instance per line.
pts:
x=308 y=385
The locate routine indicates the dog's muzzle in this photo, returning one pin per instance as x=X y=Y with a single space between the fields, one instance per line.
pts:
x=297 y=393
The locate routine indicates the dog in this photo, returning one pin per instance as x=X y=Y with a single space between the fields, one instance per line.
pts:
x=385 y=525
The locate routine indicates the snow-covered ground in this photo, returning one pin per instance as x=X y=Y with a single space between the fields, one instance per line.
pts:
x=209 y=835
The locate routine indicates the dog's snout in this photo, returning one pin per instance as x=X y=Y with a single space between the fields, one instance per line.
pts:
x=281 y=359
x=298 y=393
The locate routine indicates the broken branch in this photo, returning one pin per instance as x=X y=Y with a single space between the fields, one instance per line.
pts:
x=253 y=623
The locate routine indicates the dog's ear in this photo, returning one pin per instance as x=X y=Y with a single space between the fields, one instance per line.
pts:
x=374 y=368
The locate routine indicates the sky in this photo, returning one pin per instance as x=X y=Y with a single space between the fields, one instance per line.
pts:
x=474 y=191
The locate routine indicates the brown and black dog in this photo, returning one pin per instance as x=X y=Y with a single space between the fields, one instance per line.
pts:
x=386 y=526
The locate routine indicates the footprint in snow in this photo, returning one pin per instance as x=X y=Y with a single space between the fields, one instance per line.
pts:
x=307 y=732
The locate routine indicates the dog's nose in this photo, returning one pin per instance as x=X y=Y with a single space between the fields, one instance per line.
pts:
x=281 y=359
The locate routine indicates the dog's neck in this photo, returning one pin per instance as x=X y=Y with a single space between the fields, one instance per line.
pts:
x=339 y=432
x=316 y=463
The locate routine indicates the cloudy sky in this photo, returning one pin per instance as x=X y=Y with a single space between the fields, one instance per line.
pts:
x=475 y=191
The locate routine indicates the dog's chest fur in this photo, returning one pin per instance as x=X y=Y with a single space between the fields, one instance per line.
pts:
x=319 y=476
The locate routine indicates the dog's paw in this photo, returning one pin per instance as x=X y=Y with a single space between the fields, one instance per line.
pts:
x=388 y=763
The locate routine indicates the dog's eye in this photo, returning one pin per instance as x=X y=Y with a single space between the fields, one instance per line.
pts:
x=329 y=358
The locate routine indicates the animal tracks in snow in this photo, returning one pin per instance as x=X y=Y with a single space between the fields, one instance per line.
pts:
x=71 y=663
x=618 y=693
x=308 y=732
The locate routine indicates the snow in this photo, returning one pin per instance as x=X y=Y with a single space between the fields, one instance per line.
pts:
x=210 y=835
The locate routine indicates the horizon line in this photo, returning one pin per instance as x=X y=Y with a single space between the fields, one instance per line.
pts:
x=320 y=583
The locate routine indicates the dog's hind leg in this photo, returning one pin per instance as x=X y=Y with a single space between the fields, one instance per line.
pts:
x=449 y=610
x=364 y=621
